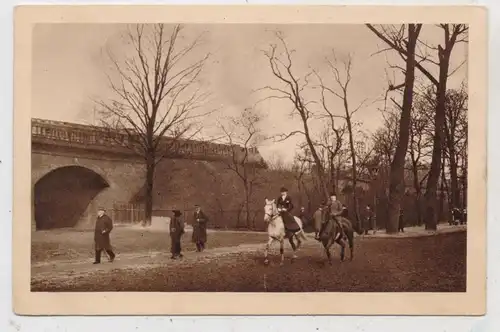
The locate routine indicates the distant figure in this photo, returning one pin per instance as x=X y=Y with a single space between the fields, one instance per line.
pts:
x=465 y=216
x=176 y=231
x=303 y=216
x=285 y=206
x=401 y=225
x=456 y=216
x=199 y=229
x=103 y=227
x=318 y=218
x=369 y=215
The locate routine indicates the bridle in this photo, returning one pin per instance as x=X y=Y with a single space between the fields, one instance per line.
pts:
x=272 y=215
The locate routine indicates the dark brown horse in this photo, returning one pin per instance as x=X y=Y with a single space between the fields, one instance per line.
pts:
x=339 y=232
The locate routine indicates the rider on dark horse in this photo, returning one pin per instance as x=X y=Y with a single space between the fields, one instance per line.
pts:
x=334 y=211
x=285 y=205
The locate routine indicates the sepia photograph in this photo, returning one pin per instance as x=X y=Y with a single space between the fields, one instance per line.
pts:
x=241 y=157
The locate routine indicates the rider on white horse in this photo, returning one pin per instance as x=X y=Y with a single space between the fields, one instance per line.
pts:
x=285 y=205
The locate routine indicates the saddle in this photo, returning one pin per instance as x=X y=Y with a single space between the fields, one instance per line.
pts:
x=329 y=226
x=290 y=223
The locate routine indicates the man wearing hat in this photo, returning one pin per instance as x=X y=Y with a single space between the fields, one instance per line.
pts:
x=333 y=211
x=199 y=229
x=103 y=227
x=285 y=205
x=176 y=231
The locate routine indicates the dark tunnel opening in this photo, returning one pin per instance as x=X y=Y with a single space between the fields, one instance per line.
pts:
x=62 y=196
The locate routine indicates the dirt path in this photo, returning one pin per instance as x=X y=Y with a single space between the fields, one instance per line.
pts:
x=67 y=269
x=73 y=268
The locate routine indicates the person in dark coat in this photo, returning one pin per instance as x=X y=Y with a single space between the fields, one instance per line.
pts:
x=285 y=206
x=199 y=229
x=369 y=215
x=319 y=218
x=176 y=232
x=103 y=227
x=456 y=216
x=401 y=224
x=345 y=212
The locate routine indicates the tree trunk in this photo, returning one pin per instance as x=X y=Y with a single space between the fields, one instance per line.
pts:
x=319 y=166
x=148 y=199
x=454 y=188
x=416 y=185
x=439 y=118
x=396 y=178
x=247 y=204
x=353 y=160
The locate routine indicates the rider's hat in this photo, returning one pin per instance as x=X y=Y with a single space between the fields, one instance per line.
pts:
x=283 y=189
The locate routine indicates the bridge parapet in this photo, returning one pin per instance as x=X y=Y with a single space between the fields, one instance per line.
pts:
x=104 y=140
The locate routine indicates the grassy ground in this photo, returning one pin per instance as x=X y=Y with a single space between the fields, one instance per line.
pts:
x=429 y=264
x=73 y=244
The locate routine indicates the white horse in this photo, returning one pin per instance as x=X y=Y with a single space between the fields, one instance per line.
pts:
x=276 y=230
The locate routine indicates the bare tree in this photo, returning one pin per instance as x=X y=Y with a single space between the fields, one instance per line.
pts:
x=156 y=91
x=453 y=34
x=404 y=40
x=243 y=134
x=330 y=143
x=340 y=92
x=276 y=163
x=290 y=87
x=455 y=113
x=419 y=150
x=386 y=138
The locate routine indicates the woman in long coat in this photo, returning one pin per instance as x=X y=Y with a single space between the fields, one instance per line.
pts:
x=176 y=231
x=199 y=229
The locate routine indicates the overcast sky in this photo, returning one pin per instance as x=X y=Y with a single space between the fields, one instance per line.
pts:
x=69 y=67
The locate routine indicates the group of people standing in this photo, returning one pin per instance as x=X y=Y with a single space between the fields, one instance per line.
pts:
x=199 y=236
x=104 y=226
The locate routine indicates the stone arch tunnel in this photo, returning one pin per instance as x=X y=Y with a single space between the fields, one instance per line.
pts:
x=62 y=196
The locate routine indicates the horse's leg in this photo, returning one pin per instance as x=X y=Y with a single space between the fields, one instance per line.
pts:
x=268 y=245
x=282 y=250
x=350 y=239
x=327 y=245
x=342 y=249
x=299 y=242
x=294 y=247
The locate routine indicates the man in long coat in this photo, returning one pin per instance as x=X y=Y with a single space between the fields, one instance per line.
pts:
x=103 y=227
x=401 y=221
x=369 y=215
x=176 y=231
x=199 y=229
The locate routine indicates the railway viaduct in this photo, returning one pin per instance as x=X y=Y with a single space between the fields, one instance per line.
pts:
x=76 y=168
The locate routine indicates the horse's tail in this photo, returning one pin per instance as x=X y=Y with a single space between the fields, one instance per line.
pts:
x=302 y=234
x=354 y=226
x=357 y=228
